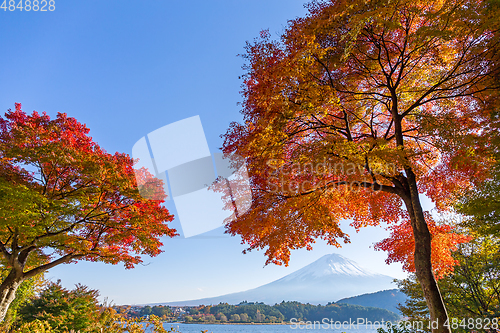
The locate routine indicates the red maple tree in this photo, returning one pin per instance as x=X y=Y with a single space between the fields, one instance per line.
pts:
x=63 y=198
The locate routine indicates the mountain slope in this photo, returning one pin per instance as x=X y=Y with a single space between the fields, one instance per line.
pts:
x=328 y=279
x=386 y=299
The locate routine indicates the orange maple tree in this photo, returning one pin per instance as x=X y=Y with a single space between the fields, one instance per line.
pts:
x=360 y=107
x=63 y=198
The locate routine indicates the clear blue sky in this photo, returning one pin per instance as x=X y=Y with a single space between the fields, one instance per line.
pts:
x=126 y=68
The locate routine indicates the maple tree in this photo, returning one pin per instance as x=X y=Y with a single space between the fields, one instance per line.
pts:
x=63 y=199
x=359 y=108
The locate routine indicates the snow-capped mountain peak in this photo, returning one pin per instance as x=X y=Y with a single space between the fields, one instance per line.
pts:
x=330 y=264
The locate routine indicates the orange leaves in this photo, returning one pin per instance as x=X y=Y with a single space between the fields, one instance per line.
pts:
x=76 y=199
x=285 y=221
x=400 y=246
x=391 y=90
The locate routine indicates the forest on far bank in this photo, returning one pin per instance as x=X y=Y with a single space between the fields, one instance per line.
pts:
x=248 y=312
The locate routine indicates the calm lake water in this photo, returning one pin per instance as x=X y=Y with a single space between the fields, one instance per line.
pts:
x=197 y=328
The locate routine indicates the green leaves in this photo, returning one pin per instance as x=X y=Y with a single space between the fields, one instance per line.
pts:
x=471 y=291
x=63 y=309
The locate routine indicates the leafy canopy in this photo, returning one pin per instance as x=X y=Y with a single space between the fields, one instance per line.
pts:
x=355 y=101
x=63 y=309
x=63 y=198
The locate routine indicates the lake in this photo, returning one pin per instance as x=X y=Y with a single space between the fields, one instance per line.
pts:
x=213 y=328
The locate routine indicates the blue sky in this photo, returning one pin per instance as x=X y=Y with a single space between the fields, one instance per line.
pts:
x=126 y=68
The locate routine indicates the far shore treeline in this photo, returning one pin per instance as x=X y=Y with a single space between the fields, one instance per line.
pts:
x=250 y=312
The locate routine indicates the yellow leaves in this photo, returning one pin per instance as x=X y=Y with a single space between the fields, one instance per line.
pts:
x=357 y=95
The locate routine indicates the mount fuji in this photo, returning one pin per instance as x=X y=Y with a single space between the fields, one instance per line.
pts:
x=328 y=279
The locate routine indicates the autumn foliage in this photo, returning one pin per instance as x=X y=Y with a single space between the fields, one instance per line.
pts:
x=400 y=246
x=352 y=96
x=359 y=108
x=77 y=195
x=63 y=198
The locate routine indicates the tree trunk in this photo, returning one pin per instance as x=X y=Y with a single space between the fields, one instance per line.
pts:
x=8 y=290
x=422 y=258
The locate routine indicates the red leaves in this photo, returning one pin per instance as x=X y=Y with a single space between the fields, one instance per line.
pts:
x=78 y=199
